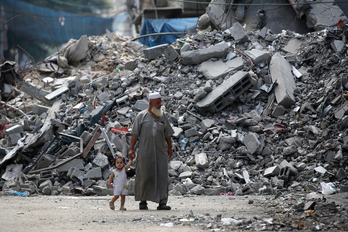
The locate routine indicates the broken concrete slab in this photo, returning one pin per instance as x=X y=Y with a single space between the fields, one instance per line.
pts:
x=293 y=46
x=217 y=69
x=280 y=70
x=321 y=16
x=201 y=55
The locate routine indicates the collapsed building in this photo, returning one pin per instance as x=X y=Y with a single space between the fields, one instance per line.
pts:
x=253 y=112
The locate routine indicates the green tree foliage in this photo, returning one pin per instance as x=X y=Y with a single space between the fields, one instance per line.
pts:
x=81 y=7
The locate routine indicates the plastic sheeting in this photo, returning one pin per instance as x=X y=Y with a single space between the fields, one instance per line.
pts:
x=151 y=26
x=30 y=25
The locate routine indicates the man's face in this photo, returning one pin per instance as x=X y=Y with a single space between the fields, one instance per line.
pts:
x=157 y=103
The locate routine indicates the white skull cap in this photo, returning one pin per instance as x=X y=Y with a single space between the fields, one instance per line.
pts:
x=154 y=95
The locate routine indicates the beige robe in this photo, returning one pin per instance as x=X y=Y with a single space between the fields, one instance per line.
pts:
x=151 y=173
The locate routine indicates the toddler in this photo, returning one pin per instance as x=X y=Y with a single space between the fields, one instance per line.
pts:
x=118 y=181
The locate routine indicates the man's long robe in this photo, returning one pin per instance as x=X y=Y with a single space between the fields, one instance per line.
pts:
x=151 y=177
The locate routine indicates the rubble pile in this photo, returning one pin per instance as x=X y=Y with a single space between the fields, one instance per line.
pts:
x=253 y=113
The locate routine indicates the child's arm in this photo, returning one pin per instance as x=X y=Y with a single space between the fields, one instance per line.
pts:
x=129 y=164
x=110 y=179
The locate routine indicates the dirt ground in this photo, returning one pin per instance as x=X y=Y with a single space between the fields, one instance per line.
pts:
x=81 y=213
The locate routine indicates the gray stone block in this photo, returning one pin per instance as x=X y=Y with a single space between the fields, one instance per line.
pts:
x=206 y=124
x=212 y=191
x=180 y=187
x=171 y=54
x=278 y=110
x=216 y=12
x=103 y=96
x=216 y=69
x=201 y=160
x=263 y=32
x=45 y=184
x=197 y=190
x=272 y=171
x=191 y=132
x=185 y=175
x=86 y=137
x=201 y=55
x=155 y=52
x=39 y=109
x=131 y=65
x=101 y=160
x=141 y=105
x=14 y=129
x=252 y=143
x=174 y=164
x=226 y=93
x=94 y=174
x=45 y=161
x=280 y=70
x=337 y=45
x=226 y=142
x=78 y=163
x=238 y=33
x=258 y=56
x=75 y=174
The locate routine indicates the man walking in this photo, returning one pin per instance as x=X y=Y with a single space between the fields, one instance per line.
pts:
x=153 y=131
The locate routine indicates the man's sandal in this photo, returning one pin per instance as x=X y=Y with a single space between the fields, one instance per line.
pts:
x=163 y=207
x=143 y=206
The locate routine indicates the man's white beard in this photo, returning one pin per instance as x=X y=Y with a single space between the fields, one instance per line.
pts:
x=157 y=112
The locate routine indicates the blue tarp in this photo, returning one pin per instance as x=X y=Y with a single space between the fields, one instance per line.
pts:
x=32 y=27
x=151 y=26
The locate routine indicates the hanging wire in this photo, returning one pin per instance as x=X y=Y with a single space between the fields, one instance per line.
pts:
x=259 y=4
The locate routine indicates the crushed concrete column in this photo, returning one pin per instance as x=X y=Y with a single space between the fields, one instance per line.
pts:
x=280 y=70
x=198 y=56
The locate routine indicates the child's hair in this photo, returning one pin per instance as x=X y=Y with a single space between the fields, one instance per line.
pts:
x=118 y=157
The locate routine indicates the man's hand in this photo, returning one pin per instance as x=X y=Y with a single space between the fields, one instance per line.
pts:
x=170 y=153
x=131 y=154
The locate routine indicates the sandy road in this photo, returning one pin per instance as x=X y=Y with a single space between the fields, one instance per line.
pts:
x=81 y=213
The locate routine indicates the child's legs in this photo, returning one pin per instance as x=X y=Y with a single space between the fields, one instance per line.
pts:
x=123 y=199
x=114 y=198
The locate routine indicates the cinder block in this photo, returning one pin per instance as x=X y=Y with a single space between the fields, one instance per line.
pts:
x=226 y=93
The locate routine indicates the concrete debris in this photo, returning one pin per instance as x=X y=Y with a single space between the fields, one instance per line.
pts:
x=244 y=121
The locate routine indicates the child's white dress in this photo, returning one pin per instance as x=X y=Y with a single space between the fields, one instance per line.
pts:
x=120 y=182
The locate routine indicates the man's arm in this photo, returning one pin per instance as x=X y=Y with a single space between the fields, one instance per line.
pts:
x=131 y=152
x=170 y=150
